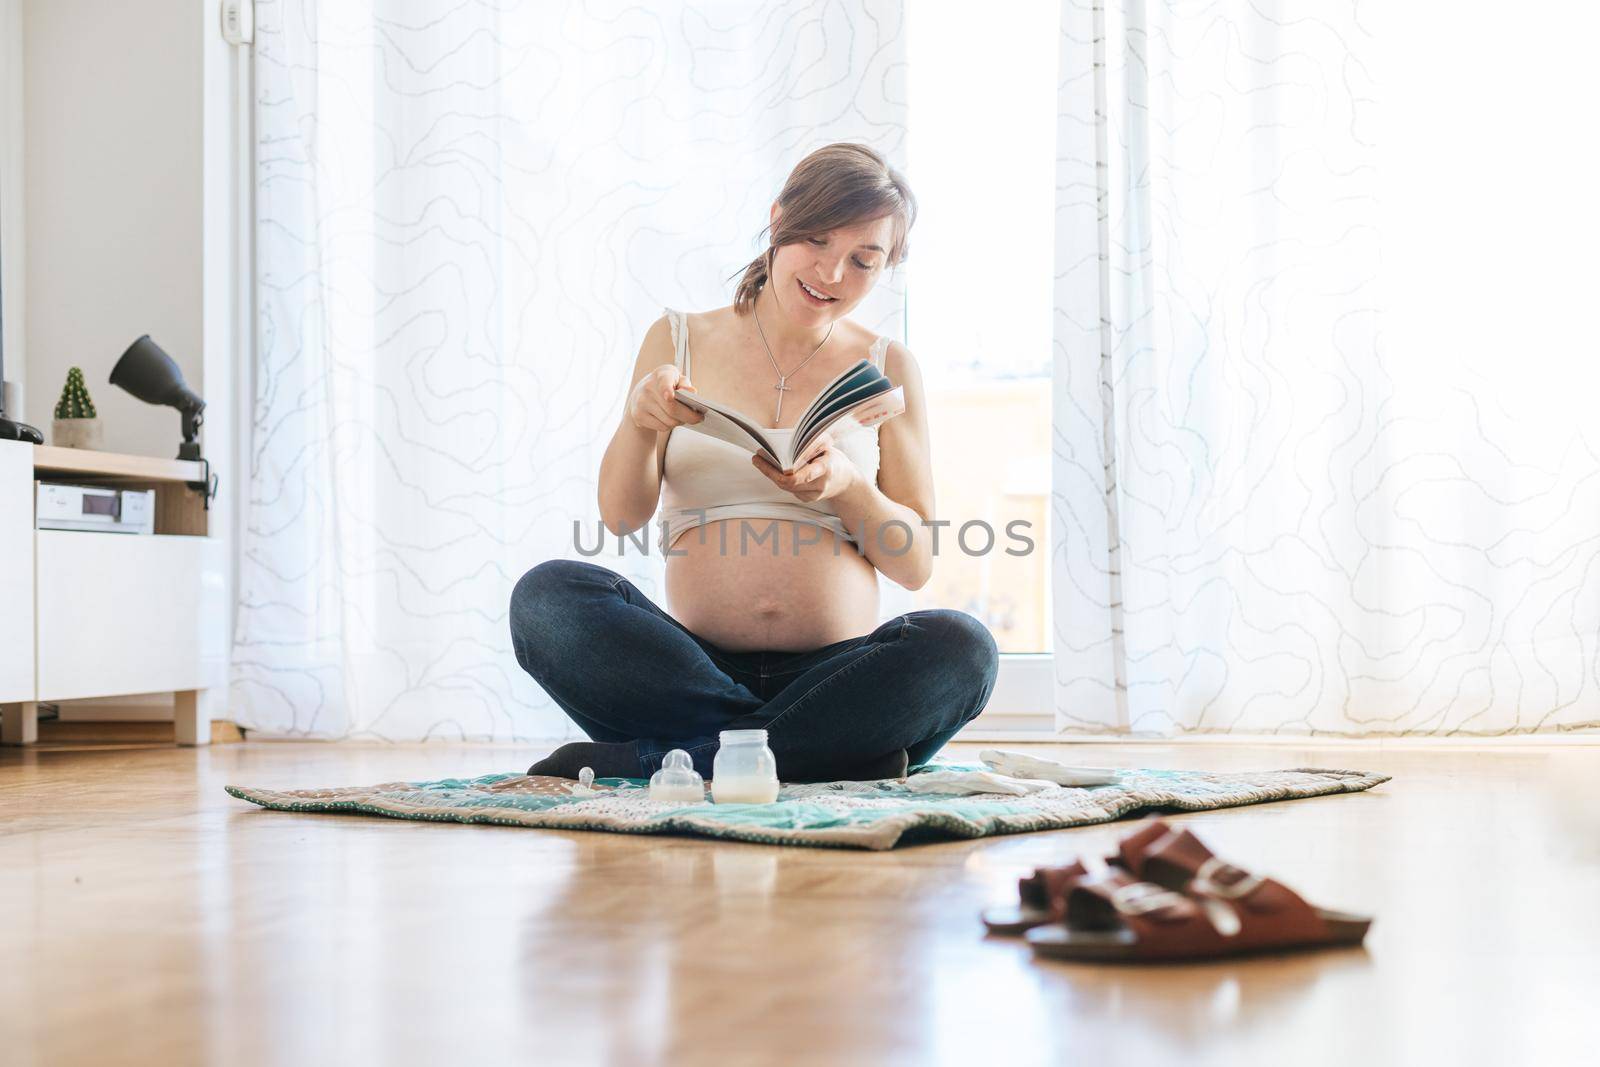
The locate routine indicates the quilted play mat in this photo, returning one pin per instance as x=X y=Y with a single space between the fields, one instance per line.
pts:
x=869 y=815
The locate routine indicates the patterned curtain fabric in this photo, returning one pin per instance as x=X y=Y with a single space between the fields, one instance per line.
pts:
x=1266 y=519
x=467 y=215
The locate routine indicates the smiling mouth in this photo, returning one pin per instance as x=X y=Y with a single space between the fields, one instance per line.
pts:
x=814 y=295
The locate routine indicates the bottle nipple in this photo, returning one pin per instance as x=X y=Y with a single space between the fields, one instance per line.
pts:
x=585 y=786
x=677 y=782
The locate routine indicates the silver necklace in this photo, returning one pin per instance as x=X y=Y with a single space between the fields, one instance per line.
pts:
x=783 y=379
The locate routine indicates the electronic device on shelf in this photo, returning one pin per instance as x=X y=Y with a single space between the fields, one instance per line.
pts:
x=95 y=507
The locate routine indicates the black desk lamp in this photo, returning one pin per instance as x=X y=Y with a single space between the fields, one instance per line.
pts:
x=146 y=371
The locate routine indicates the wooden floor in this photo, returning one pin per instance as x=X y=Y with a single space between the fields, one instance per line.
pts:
x=147 y=917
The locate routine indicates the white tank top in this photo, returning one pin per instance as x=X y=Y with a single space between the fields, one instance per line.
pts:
x=704 y=479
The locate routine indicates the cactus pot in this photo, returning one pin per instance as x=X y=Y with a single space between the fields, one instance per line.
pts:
x=75 y=433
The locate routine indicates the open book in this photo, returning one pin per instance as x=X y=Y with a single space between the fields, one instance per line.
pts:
x=861 y=393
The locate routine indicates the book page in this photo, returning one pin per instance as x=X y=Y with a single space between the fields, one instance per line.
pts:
x=842 y=401
x=868 y=412
x=728 y=425
x=845 y=381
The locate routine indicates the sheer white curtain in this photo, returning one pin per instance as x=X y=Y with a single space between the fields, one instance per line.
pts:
x=467 y=216
x=1276 y=512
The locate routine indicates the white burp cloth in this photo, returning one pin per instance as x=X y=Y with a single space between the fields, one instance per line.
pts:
x=965 y=783
x=1024 y=766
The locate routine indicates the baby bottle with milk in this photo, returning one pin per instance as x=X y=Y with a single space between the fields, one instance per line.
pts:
x=745 y=770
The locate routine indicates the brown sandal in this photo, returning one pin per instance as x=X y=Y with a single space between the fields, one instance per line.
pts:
x=1174 y=900
x=1038 y=897
x=1041 y=895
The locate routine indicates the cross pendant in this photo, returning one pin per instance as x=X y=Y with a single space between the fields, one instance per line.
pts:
x=782 y=387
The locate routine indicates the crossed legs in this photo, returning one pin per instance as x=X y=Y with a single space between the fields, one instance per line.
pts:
x=640 y=683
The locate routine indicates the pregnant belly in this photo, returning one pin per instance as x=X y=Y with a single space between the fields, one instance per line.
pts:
x=770 y=594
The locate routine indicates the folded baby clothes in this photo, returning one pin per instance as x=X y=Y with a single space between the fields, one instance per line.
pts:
x=965 y=783
x=1023 y=766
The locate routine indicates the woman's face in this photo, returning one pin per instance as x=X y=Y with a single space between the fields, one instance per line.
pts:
x=842 y=265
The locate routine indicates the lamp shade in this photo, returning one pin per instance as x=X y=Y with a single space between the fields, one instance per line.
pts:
x=146 y=371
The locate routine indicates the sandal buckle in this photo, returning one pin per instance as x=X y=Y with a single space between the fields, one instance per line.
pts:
x=1137 y=898
x=1205 y=880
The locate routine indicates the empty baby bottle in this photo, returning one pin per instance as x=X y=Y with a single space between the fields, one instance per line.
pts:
x=745 y=770
x=677 y=782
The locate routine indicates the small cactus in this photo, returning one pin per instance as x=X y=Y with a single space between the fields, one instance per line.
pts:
x=75 y=402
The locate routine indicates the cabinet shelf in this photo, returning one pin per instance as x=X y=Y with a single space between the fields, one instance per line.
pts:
x=48 y=459
x=179 y=509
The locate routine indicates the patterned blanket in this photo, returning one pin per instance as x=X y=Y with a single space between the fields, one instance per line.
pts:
x=870 y=815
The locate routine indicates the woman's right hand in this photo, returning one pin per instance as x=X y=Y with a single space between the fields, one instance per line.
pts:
x=652 y=406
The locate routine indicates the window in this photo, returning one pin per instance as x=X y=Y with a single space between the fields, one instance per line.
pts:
x=979 y=282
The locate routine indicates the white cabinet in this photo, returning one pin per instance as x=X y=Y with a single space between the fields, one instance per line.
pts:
x=90 y=614
x=123 y=613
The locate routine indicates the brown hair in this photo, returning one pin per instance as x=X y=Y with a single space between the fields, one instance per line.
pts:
x=837 y=185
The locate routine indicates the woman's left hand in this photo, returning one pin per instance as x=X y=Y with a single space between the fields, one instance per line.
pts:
x=826 y=473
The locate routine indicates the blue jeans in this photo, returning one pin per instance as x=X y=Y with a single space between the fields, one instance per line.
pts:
x=625 y=670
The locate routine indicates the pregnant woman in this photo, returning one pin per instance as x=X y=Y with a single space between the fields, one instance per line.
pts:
x=771 y=578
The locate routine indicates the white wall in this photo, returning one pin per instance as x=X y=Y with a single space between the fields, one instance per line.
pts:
x=113 y=177
x=128 y=135
x=13 y=280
